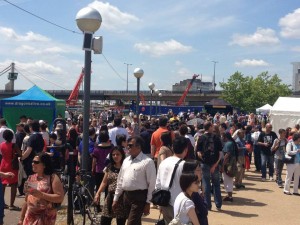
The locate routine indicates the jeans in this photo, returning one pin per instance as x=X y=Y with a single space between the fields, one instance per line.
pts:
x=257 y=157
x=264 y=160
x=279 y=167
x=215 y=179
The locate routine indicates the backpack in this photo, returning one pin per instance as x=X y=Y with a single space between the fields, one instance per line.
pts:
x=208 y=153
x=231 y=168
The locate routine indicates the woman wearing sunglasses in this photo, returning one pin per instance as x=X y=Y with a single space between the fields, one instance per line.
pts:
x=43 y=188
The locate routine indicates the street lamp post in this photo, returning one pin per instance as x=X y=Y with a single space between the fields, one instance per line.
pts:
x=88 y=21
x=160 y=95
x=151 y=87
x=157 y=93
x=138 y=73
x=127 y=64
x=214 y=78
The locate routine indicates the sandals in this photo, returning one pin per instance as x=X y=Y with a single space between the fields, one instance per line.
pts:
x=14 y=208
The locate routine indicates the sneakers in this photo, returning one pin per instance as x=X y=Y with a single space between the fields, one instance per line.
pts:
x=14 y=208
x=239 y=186
x=271 y=179
x=287 y=193
x=280 y=185
x=263 y=179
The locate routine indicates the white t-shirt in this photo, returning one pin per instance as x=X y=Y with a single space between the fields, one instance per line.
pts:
x=164 y=175
x=116 y=131
x=183 y=204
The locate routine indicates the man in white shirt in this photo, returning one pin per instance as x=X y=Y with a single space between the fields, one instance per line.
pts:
x=164 y=174
x=3 y=127
x=136 y=180
x=118 y=129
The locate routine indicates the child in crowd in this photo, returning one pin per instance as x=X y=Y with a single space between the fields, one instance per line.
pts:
x=54 y=152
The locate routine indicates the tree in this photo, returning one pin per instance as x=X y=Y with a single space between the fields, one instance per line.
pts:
x=248 y=93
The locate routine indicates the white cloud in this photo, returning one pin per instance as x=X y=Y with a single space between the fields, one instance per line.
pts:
x=178 y=63
x=184 y=72
x=40 y=67
x=251 y=62
x=295 y=49
x=260 y=37
x=9 y=33
x=290 y=25
x=112 y=17
x=163 y=48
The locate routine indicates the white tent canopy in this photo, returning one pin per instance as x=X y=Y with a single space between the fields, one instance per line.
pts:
x=285 y=113
x=264 y=109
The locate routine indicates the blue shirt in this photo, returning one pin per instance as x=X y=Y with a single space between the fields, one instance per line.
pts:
x=91 y=146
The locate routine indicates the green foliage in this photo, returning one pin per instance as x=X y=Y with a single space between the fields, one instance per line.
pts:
x=248 y=93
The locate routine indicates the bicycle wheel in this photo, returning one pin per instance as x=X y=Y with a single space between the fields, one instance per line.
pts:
x=79 y=207
x=93 y=214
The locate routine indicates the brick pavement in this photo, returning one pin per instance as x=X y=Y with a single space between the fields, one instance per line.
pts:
x=261 y=203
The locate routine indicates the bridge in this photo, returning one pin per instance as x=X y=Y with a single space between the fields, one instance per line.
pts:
x=166 y=96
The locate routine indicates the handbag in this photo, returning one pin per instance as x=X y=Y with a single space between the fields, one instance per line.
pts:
x=289 y=159
x=162 y=197
x=176 y=220
x=14 y=160
x=160 y=221
x=231 y=168
x=249 y=148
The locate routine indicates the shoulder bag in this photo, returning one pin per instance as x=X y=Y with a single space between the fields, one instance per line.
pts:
x=176 y=220
x=231 y=167
x=162 y=197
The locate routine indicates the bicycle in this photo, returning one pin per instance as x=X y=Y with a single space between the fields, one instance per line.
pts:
x=64 y=178
x=82 y=201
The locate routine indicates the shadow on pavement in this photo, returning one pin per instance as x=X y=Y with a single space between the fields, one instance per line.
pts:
x=255 y=189
x=244 y=201
x=149 y=220
x=238 y=214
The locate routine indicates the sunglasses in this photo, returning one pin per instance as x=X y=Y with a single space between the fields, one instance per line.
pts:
x=36 y=162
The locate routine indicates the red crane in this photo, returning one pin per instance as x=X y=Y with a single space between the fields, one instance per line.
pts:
x=180 y=101
x=73 y=98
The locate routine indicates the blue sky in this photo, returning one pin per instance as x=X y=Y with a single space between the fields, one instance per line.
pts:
x=169 y=40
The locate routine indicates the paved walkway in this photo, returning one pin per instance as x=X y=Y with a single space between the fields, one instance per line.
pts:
x=261 y=203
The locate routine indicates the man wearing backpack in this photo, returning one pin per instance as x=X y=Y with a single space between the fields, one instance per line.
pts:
x=265 y=141
x=209 y=152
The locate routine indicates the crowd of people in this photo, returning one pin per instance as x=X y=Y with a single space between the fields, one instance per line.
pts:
x=190 y=155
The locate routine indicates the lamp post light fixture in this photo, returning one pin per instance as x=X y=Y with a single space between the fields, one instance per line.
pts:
x=88 y=21
x=127 y=64
x=138 y=73
x=151 y=87
x=214 y=77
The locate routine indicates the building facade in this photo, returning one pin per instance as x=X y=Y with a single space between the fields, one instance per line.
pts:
x=296 y=76
x=198 y=86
